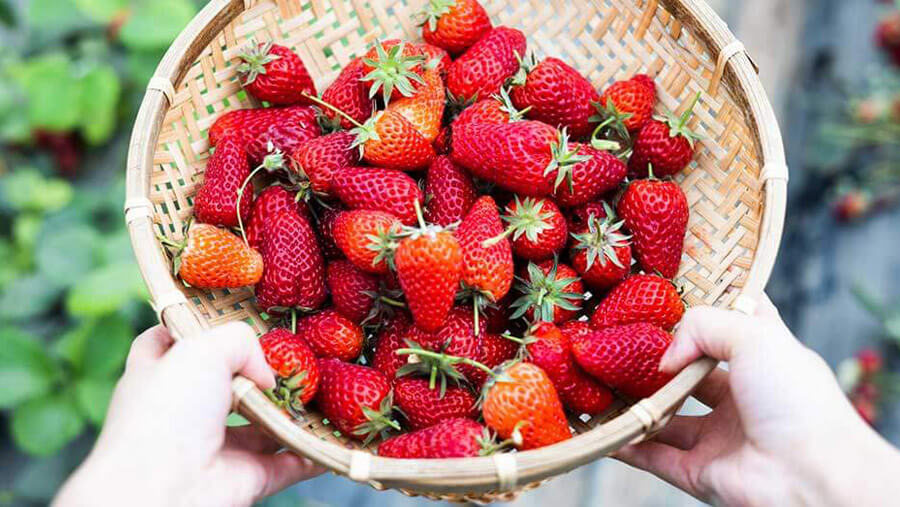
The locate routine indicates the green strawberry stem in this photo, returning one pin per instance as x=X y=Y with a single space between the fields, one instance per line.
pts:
x=294 y=320
x=322 y=103
x=682 y=121
x=273 y=161
x=451 y=360
x=498 y=238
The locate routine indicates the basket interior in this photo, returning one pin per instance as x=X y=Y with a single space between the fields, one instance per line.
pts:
x=604 y=39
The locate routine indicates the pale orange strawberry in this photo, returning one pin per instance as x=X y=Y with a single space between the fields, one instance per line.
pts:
x=214 y=258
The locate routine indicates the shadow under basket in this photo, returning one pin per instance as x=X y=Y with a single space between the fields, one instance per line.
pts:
x=736 y=188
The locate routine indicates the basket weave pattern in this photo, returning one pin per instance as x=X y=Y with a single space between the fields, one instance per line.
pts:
x=604 y=39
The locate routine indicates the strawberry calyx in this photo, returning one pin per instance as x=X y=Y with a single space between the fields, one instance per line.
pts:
x=456 y=104
x=678 y=124
x=437 y=366
x=602 y=238
x=507 y=106
x=498 y=376
x=528 y=219
x=526 y=65
x=255 y=59
x=384 y=303
x=489 y=444
x=380 y=421
x=365 y=132
x=392 y=69
x=544 y=293
x=563 y=160
x=288 y=391
x=433 y=11
x=611 y=119
x=385 y=244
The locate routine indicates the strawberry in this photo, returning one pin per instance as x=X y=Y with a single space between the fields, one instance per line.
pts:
x=487 y=64
x=429 y=267
x=286 y=128
x=583 y=173
x=487 y=267
x=495 y=350
x=441 y=143
x=575 y=330
x=887 y=36
x=496 y=316
x=355 y=399
x=436 y=57
x=379 y=189
x=449 y=192
x=524 y=401
x=294 y=275
x=548 y=348
x=350 y=94
x=330 y=334
x=451 y=438
x=214 y=258
x=326 y=237
x=352 y=290
x=664 y=147
x=496 y=109
x=275 y=74
x=455 y=25
x=425 y=109
x=640 y=298
x=455 y=338
x=656 y=212
x=390 y=339
x=366 y=238
x=577 y=218
x=601 y=254
x=216 y=201
x=388 y=139
x=295 y=366
x=625 y=358
x=556 y=94
x=395 y=68
x=268 y=203
x=537 y=226
x=424 y=407
x=321 y=157
x=515 y=156
x=551 y=292
x=628 y=104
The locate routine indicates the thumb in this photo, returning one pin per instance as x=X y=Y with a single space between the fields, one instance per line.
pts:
x=706 y=331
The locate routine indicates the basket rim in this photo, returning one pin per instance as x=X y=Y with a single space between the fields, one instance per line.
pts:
x=484 y=474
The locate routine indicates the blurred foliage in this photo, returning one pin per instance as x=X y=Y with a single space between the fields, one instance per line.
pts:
x=72 y=74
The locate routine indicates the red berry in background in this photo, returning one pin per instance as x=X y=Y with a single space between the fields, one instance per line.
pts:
x=887 y=36
x=65 y=148
x=551 y=292
x=852 y=205
x=352 y=290
x=640 y=298
x=452 y=438
x=867 y=409
x=294 y=363
x=423 y=406
x=330 y=334
x=216 y=201
x=449 y=192
x=870 y=361
x=275 y=74
x=656 y=212
x=455 y=25
x=664 y=148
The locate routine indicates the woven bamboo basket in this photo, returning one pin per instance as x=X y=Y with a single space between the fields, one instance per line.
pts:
x=736 y=188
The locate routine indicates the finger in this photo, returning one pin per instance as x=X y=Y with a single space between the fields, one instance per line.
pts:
x=713 y=389
x=148 y=347
x=661 y=460
x=261 y=475
x=705 y=331
x=766 y=309
x=250 y=438
x=235 y=345
x=681 y=432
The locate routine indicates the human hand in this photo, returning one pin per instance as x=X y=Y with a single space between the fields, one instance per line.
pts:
x=165 y=441
x=781 y=431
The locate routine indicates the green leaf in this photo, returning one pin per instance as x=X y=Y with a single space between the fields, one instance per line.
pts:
x=117 y=248
x=28 y=190
x=27 y=297
x=235 y=420
x=106 y=347
x=140 y=65
x=154 y=24
x=92 y=396
x=892 y=326
x=52 y=16
x=53 y=93
x=101 y=11
x=105 y=290
x=43 y=426
x=7 y=13
x=25 y=368
x=66 y=255
x=100 y=92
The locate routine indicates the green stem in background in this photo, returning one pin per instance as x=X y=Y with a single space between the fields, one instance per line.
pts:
x=344 y=115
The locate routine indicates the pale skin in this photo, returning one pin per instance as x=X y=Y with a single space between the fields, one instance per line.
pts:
x=781 y=431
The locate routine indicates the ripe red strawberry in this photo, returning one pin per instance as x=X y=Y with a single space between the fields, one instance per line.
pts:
x=487 y=64
x=575 y=330
x=366 y=238
x=441 y=143
x=425 y=109
x=487 y=266
x=217 y=200
x=321 y=157
x=456 y=338
x=625 y=358
x=640 y=298
x=286 y=128
x=355 y=399
x=268 y=203
x=394 y=68
x=390 y=140
x=294 y=275
x=275 y=74
x=330 y=334
x=551 y=292
x=352 y=290
x=455 y=25
x=391 y=337
x=527 y=404
x=663 y=147
x=379 y=189
x=424 y=406
x=887 y=36
x=449 y=192
x=324 y=229
x=577 y=218
x=294 y=364
x=214 y=258
x=537 y=226
x=429 y=267
x=451 y=438
x=495 y=350
x=496 y=109
x=584 y=173
x=557 y=94
x=548 y=348
x=656 y=212
x=601 y=253
x=350 y=94
x=628 y=102
x=514 y=156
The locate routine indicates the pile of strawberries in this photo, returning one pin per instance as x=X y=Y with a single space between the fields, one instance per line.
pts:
x=454 y=238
